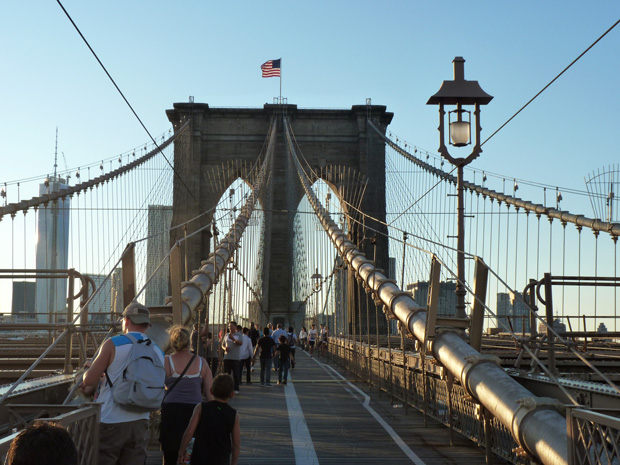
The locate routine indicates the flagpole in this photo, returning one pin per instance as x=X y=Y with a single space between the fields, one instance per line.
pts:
x=280 y=80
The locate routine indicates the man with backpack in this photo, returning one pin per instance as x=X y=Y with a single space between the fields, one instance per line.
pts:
x=133 y=387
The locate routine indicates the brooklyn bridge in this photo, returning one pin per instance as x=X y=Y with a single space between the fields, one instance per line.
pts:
x=466 y=324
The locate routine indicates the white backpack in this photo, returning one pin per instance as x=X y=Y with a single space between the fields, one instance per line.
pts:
x=141 y=385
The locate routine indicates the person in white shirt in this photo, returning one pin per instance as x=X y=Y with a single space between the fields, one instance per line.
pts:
x=322 y=345
x=312 y=335
x=245 y=356
x=123 y=433
x=231 y=343
x=303 y=338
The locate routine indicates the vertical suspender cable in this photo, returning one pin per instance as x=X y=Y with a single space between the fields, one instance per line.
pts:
x=596 y=234
x=615 y=239
x=563 y=261
x=579 y=286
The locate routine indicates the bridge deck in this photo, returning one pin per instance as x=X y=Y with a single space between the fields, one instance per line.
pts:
x=323 y=417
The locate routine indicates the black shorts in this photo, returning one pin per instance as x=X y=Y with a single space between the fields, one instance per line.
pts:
x=311 y=343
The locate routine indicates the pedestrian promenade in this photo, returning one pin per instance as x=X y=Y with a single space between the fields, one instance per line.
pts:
x=323 y=417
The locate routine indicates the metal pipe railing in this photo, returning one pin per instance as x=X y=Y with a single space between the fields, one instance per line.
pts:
x=533 y=422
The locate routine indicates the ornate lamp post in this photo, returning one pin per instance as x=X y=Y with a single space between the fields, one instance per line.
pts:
x=459 y=93
x=317 y=286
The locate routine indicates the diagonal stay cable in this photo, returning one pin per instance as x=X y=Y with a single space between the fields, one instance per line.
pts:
x=128 y=104
x=551 y=82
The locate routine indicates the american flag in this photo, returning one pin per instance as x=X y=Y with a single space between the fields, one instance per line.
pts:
x=271 y=68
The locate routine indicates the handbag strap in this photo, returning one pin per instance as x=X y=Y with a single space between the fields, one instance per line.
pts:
x=181 y=376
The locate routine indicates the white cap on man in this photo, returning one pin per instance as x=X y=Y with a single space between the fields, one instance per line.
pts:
x=137 y=313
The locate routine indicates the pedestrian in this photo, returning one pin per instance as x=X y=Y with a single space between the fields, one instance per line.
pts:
x=276 y=337
x=323 y=336
x=245 y=357
x=312 y=335
x=123 y=433
x=42 y=443
x=216 y=428
x=231 y=344
x=283 y=353
x=212 y=352
x=188 y=379
x=264 y=349
x=195 y=340
x=303 y=338
x=254 y=334
x=291 y=339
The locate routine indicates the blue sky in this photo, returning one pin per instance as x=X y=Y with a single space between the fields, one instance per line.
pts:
x=334 y=55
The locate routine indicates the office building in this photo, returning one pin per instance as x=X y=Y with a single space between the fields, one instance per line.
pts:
x=446 y=304
x=52 y=253
x=157 y=248
x=23 y=304
x=512 y=312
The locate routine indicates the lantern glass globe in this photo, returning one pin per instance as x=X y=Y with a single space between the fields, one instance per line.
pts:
x=459 y=133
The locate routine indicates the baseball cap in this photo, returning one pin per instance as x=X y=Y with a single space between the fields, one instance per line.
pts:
x=137 y=313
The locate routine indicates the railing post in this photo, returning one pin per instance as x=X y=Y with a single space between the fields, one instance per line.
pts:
x=129 y=274
x=175 y=283
x=432 y=300
x=488 y=438
x=431 y=324
x=69 y=317
x=405 y=371
x=449 y=386
x=481 y=273
x=82 y=336
x=379 y=307
x=572 y=434
x=85 y=294
x=533 y=325
x=549 y=316
x=387 y=319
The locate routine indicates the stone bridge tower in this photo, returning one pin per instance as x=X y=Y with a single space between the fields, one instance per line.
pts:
x=338 y=144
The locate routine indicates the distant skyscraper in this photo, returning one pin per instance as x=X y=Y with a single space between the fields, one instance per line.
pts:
x=23 y=299
x=446 y=305
x=157 y=247
x=510 y=307
x=52 y=252
x=100 y=305
x=391 y=268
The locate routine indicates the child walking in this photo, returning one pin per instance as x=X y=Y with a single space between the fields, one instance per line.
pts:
x=215 y=427
x=285 y=355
